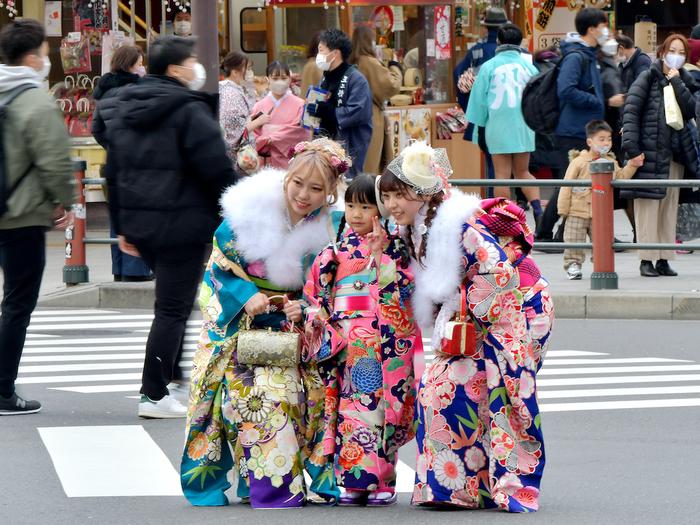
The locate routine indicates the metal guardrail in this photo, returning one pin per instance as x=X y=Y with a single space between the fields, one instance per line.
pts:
x=603 y=245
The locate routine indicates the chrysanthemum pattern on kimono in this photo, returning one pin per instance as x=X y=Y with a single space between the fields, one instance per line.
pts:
x=269 y=417
x=479 y=438
x=366 y=348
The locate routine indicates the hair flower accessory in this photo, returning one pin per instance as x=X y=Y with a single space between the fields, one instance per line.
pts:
x=425 y=169
x=332 y=150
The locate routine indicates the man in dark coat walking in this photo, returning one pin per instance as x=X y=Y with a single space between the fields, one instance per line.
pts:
x=171 y=168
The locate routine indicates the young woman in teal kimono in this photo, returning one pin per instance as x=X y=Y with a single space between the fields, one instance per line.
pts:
x=263 y=421
x=479 y=435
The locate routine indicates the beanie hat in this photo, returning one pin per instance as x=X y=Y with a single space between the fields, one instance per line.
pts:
x=695 y=33
x=694 y=51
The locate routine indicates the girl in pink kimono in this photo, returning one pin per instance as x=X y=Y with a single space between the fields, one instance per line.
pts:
x=283 y=128
x=362 y=332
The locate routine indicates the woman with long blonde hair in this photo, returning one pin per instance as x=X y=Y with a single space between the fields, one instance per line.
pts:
x=262 y=420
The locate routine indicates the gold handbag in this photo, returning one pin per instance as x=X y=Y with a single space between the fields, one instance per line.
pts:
x=267 y=347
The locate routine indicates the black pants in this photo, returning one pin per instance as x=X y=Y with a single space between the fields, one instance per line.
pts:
x=22 y=259
x=178 y=271
x=551 y=214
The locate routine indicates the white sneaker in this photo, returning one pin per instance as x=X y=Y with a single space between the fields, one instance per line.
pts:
x=166 y=408
x=574 y=272
x=180 y=391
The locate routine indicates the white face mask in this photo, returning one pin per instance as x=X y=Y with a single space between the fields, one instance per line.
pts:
x=183 y=28
x=279 y=87
x=674 y=60
x=46 y=69
x=249 y=75
x=604 y=36
x=610 y=47
x=322 y=62
x=602 y=150
x=200 y=77
x=140 y=71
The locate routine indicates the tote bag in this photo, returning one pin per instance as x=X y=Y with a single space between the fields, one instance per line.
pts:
x=674 y=117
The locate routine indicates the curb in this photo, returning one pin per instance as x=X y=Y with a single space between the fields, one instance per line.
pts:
x=602 y=304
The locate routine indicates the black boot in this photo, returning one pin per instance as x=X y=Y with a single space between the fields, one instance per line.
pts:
x=646 y=269
x=663 y=268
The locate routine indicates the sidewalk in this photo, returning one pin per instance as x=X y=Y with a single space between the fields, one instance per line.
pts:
x=637 y=298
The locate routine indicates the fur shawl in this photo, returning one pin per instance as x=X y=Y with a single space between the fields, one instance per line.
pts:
x=437 y=281
x=256 y=212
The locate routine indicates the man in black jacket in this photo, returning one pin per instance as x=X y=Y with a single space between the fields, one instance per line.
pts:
x=633 y=62
x=171 y=168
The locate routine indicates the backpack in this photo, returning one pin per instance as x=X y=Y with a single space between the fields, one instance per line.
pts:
x=540 y=103
x=5 y=191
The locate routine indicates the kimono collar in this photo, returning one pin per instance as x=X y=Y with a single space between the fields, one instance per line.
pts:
x=278 y=101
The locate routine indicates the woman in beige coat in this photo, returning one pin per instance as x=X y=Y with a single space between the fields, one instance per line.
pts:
x=311 y=75
x=383 y=82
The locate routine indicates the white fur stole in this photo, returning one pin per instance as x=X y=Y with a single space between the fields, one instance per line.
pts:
x=255 y=210
x=438 y=279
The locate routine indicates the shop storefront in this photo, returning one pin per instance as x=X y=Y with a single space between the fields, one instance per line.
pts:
x=426 y=37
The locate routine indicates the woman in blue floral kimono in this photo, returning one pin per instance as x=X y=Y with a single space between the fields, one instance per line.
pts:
x=479 y=437
x=263 y=421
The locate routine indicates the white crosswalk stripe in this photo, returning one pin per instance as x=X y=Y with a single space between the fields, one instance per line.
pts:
x=98 y=352
x=101 y=351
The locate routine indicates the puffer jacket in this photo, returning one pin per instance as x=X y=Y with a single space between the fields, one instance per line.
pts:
x=107 y=96
x=576 y=202
x=171 y=163
x=645 y=129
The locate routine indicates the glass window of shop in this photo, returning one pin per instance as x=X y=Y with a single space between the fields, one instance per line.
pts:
x=409 y=41
x=253 y=30
x=294 y=28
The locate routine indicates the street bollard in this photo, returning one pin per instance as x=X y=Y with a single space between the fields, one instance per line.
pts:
x=75 y=271
x=604 y=276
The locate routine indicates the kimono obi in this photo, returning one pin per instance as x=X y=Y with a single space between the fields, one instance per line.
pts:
x=352 y=293
x=270 y=289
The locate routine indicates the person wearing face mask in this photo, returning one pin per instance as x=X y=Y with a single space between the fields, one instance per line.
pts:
x=632 y=60
x=384 y=82
x=669 y=154
x=36 y=190
x=126 y=68
x=346 y=115
x=575 y=203
x=171 y=169
x=614 y=92
x=237 y=98
x=581 y=98
x=182 y=24
x=274 y=139
x=311 y=75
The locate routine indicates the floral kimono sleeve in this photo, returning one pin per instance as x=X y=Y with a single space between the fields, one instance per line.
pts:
x=325 y=342
x=207 y=458
x=513 y=421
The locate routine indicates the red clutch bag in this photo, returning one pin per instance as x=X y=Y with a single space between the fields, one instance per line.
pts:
x=460 y=335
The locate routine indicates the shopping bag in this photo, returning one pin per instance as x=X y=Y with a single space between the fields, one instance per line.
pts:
x=674 y=117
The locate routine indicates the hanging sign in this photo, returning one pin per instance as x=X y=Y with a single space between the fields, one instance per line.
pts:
x=443 y=43
x=52 y=19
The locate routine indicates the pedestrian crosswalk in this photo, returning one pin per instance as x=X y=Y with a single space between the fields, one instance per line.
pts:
x=101 y=352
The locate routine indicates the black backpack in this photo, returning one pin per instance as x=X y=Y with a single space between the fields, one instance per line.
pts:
x=5 y=191
x=540 y=102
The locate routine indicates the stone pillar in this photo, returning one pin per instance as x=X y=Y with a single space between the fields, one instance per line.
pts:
x=205 y=26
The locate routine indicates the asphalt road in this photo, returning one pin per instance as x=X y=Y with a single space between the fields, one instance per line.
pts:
x=610 y=457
